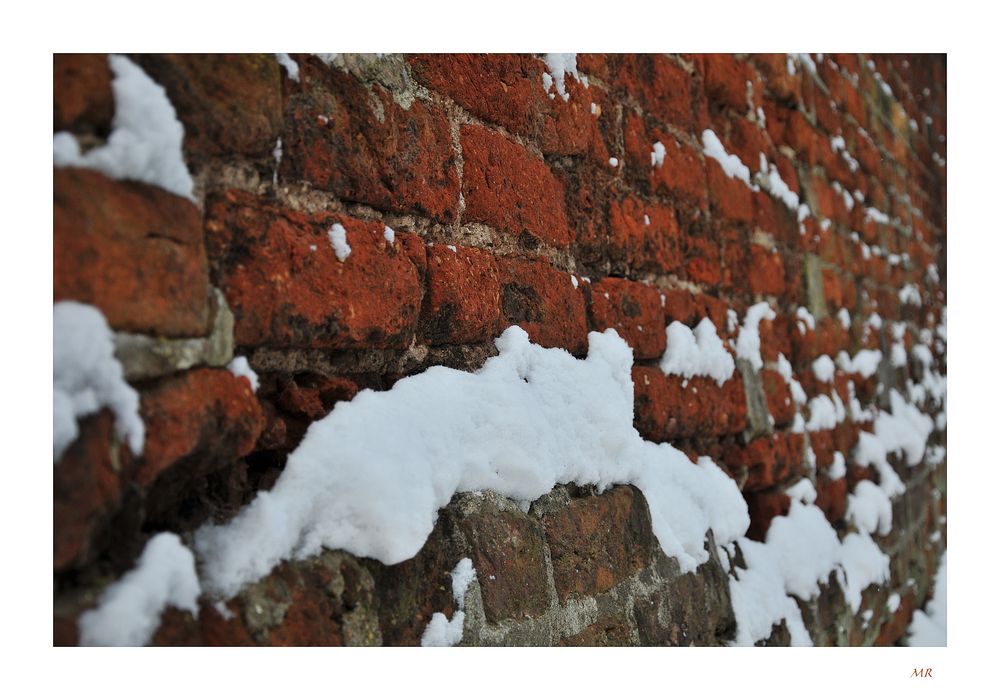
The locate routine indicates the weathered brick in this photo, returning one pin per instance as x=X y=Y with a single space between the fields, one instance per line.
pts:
x=287 y=288
x=133 y=250
x=831 y=498
x=769 y=460
x=609 y=631
x=725 y=78
x=660 y=86
x=669 y=407
x=598 y=541
x=196 y=422
x=506 y=187
x=731 y=198
x=682 y=174
x=81 y=89
x=633 y=310
x=652 y=246
x=507 y=89
x=227 y=103
x=508 y=555
x=764 y=506
x=767 y=271
x=779 y=398
x=358 y=143
x=544 y=302
x=462 y=304
x=87 y=490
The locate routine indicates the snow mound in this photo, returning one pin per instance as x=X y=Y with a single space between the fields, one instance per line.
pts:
x=146 y=138
x=370 y=477
x=697 y=353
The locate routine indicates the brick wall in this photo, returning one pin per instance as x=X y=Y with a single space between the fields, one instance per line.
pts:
x=510 y=205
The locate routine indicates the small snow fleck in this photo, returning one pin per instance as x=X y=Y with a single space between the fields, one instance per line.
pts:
x=576 y=283
x=289 y=64
x=338 y=239
x=657 y=155
x=389 y=235
x=613 y=162
x=452 y=248
x=241 y=368
x=645 y=218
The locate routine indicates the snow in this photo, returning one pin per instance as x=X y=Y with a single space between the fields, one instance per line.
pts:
x=865 y=362
x=902 y=430
x=806 y=320
x=824 y=413
x=560 y=65
x=748 y=341
x=800 y=551
x=770 y=179
x=869 y=508
x=892 y=604
x=146 y=138
x=698 y=353
x=128 y=611
x=613 y=162
x=803 y=491
x=785 y=370
x=838 y=469
x=370 y=477
x=277 y=153
x=875 y=321
x=731 y=164
x=909 y=294
x=658 y=154
x=873 y=214
x=862 y=564
x=576 y=283
x=87 y=377
x=845 y=318
x=823 y=368
x=338 y=240
x=389 y=235
x=241 y=368
x=897 y=355
x=289 y=64
x=440 y=631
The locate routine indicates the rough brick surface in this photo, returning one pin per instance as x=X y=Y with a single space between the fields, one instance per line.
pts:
x=506 y=187
x=287 y=287
x=132 y=250
x=634 y=311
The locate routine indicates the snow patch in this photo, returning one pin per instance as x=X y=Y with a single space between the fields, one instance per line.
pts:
x=128 y=611
x=87 y=377
x=748 y=342
x=146 y=138
x=698 y=353
x=338 y=241
x=370 y=477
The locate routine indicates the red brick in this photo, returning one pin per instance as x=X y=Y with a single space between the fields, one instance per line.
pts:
x=661 y=87
x=748 y=141
x=764 y=506
x=508 y=553
x=800 y=135
x=88 y=487
x=196 y=423
x=653 y=246
x=543 y=301
x=731 y=198
x=359 y=144
x=769 y=460
x=725 y=78
x=285 y=294
x=683 y=171
x=81 y=90
x=507 y=89
x=779 y=398
x=688 y=308
x=774 y=338
x=598 y=541
x=462 y=304
x=506 y=187
x=767 y=271
x=831 y=498
x=669 y=407
x=133 y=250
x=780 y=83
x=634 y=311
x=228 y=103
x=702 y=261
